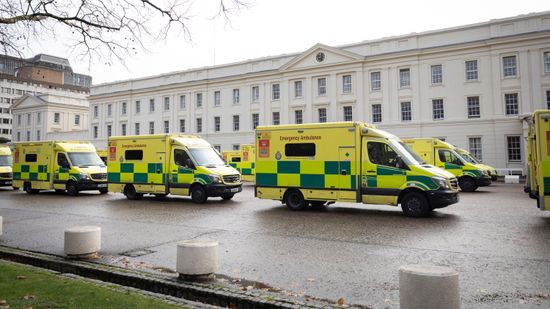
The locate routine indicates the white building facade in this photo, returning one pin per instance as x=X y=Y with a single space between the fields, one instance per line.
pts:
x=468 y=85
x=48 y=117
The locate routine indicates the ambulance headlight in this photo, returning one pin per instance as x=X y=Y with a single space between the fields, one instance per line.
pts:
x=84 y=176
x=441 y=182
x=215 y=178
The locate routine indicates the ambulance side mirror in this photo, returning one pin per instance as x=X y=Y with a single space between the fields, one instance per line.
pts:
x=189 y=164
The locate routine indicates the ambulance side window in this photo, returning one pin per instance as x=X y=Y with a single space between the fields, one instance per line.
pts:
x=236 y=159
x=62 y=160
x=181 y=158
x=448 y=157
x=382 y=154
x=30 y=157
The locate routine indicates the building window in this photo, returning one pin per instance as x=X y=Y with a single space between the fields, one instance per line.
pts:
x=509 y=66
x=322 y=114
x=547 y=99
x=136 y=128
x=375 y=81
x=166 y=126
x=236 y=96
x=151 y=127
x=28 y=136
x=275 y=91
x=109 y=130
x=182 y=125
x=96 y=111
x=76 y=120
x=404 y=78
x=513 y=145
x=376 y=113
x=28 y=119
x=255 y=120
x=474 y=144
x=473 y=107
x=438 y=111
x=546 y=60
x=255 y=93
x=217 y=124
x=321 y=86
x=437 y=74
x=236 y=146
x=298 y=89
x=236 y=123
x=511 y=103
x=346 y=84
x=18 y=136
x=123 y=129
x=152 y=105
x=198 y=102
x=18 y=120
x=199 y=125
x=166 y=103
x=276 y=118
x=406 y=112
x=218 y=148
x=109 y=110
x=96 y=131
x=182 y=102
x=56 y=118
x=298 y=119
x=37 y=135
x=348 y=113
x=217 y=98
x=138 y=107
x=471 y=70
x=123 y=108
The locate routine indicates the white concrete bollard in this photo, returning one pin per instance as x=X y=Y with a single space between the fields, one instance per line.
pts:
x=0 y=225
x=197 y=257
x=82 y=241
x=428 y=287
x=511 y=179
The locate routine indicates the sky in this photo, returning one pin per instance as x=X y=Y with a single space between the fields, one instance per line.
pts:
x=274 y=27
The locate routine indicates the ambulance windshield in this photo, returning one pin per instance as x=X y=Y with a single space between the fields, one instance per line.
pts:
x=5 y=160
x=409 y=156
x=206 y=157
x=85 y=159
x=468 y=158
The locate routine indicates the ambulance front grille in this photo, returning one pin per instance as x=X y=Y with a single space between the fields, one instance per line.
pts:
x=6 y=175
x=99 y=176
x=454 y=183
x=231 y=178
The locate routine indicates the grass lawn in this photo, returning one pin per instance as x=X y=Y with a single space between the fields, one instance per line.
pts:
x=22 y=287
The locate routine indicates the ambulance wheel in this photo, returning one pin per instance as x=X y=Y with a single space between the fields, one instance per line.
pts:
x=131 y=193
x=295 y=200
x=415 y=204
x=28 y=188
x=72 y=190
x=198 y=194
x=103 y=191
x=467 y=184
x=227 y=197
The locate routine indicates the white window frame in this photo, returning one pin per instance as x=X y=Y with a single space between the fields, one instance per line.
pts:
x=471 y=73
x=505 y=98
x=345 y=110
x=255 y=94
x=436 y=71
x=298 y=116
x=151 y=127
x=439 y=112
x=376 y=111
x=475 y=149
x=96 y=132
x=509 y=70
x=405 y=112
x=322 y=114
x=546 y=61
x=255 y=120
x=183 y=103
x=404 y=77
x=375 y=84
x=298 y=90
x=96 y=111
x=56 y=118
x=347 y=84
x=470 y=99
x=166 y=104
x=321 y=86
x=123 y=129
x=76 y=120
x=519 y=149
x=236 y=123
x=236 y=96
x=124 y=108
x=109 y=110
x=198 y=124
x=109 y=130
x=138 y=106
x=137 y=129
x=217 y=123
x=198 y=100
x=182 y=125
x=217 y=98
x=166 y=126
x=275 y=91
x=276 y=121
x=151 y=105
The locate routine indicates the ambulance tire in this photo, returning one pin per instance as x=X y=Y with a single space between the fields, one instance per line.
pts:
x=415 y=204
x=467 y=184
x=227 y=197
x=28 y=188
x=198 y=194
x=131 y=193
x=294 y=199
x=71 y=188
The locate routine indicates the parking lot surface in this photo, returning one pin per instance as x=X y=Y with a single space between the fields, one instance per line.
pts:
x=496 y=238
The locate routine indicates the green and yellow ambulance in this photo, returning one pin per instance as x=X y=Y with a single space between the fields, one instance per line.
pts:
x=491 y=171
x=6 y=174
x=165 y=164
x=441 y=154
x=319 y=164
x=242 y=160
x=70 y=166
x=538 y=148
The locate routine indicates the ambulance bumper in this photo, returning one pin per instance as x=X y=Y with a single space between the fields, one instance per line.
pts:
x=86 y=185
x=5 y=182
x=442 y=198
x=483 y=181
x=221 y=189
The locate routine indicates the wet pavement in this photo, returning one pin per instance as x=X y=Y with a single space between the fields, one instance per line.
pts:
x=496 y=238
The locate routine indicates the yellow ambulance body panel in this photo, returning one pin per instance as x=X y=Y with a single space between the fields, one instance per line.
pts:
x=164 y=164
x=539 y=158
x=242 y=160
x=70 y=166
x=443 y=155
x=317 y=164
x=491 y=171
x=6 y=174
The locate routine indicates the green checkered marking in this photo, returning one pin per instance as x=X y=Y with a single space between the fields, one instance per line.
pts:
x=33 y=172
x=137 y=173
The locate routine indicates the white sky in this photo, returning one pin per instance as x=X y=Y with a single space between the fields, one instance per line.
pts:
x=273 y=27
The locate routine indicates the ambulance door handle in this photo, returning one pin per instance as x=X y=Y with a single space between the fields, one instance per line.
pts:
x=174 y=171
x=370 y=171
x=343 y=172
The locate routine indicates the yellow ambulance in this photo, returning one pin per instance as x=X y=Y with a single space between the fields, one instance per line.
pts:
x=242 y=160
x=491 y=171
x=5 y=166
x=69 y=166
x=165 y=164
x=443 y=155
x=538 y=146
x=319 y=164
